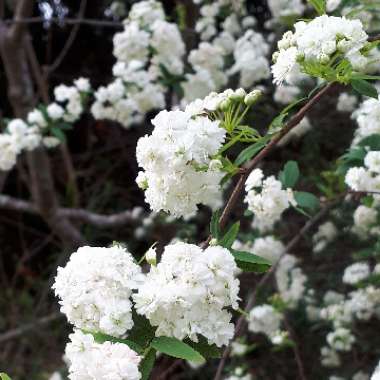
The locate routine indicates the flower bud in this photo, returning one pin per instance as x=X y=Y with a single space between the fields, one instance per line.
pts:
x=142 y=180
x=225 y=105
x=238 y=95
x=215 y=165
x=151 y=256
x=213 y=242
x=252 y=97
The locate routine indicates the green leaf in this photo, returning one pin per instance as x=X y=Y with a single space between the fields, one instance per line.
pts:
x=372 y=141
x=101 y=338
x=58 y=133
x=142 y=332
x=319 y=5
x=249 y=262
x=176 y=348
x=4 y=376
x=206 y=350
x=306 y=200
x=214 y=225
x=147 y=363
x=289 y=176
x=249 y=152
x=365 y=88
x=65 y=126
x=228 y=239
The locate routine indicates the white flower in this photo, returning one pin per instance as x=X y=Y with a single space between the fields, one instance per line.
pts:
x=283 y=8
x=91 y=360
x=341 y=339
x=176 y=160
x=331 y=5
x=269 y=248
x=50 y=141
x=187 y=292
x=55 y=111
x=372 y=161
x=82 y=84
x=355 y=273
x=95 y=288
x=264 y=319
x=8 y=153
x=285 y=64
x=36 y=117
x=329 y=357
x=376 y=374
x=346 y=102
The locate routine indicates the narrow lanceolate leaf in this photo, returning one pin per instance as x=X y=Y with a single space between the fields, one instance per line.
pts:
x=176 y=348
x=231 y=235
x=372 y=142
x=206 y=350
x=147 y=363
x=142 y=332
x=249 y=262
x=58 y=134
x=249 y=152
x=289 y=176
x=365 y=88
x=101 y=338
x=214 y=225
x=306 y=200
x=319 y=5
x=4 y=376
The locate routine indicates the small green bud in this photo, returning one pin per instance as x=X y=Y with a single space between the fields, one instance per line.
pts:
x=238 y=95
x=252 y=97
x=213 y=242
x=225 y=105
x=151 y=256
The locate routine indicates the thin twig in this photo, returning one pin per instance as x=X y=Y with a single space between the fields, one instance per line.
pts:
x=241 y=323
x=70 y=40
x=68 y=21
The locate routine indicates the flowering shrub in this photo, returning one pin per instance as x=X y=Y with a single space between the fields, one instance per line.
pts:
x=240 y=286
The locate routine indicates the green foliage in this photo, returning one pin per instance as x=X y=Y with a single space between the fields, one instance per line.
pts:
x=319 y=6
x=372 y=142
x=289 y=176
x=58 y=133
x=4 y=376
x=142 y=332
x=249 y=262
x=204 y=348
x=176 y=348
x=214 y=225
x=247 y=153
x=101 y=338
x=306 y=200
x=363 y=87
x=228 y=239
x=147 y=363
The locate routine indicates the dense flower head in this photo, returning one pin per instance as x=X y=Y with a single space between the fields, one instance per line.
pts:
x=95 y=288
x=187 y=293
x=356 y=272
x=265 y=319
x=179 y=172
x=89 y=360
x=266 y=199
x=317 y=41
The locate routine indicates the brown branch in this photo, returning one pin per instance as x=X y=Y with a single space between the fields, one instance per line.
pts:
x=70 y=40
x=15 y=333
x=75 y=214
x=249 y=166
x=242 y=322
x=68 y=21
x=23 y=9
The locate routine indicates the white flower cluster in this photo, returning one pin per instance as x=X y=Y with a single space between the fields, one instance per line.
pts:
x=326 y=233
x=367 y=117
x=266 y=199
x=95 y=288
x=365 y=222
x=237 y=42
x=267 y=247
x=365 y=178
x=38 y=130
x=267 y=320
x=356 y=272
x=250 y=55
x=318 y=41
x=179 y=172
x=341 y=339
x=147 y=50
x=291 y=280
x=188 y=292
x=91 y=360
x=285 y=8
x=346 y=102
x=376 y=374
